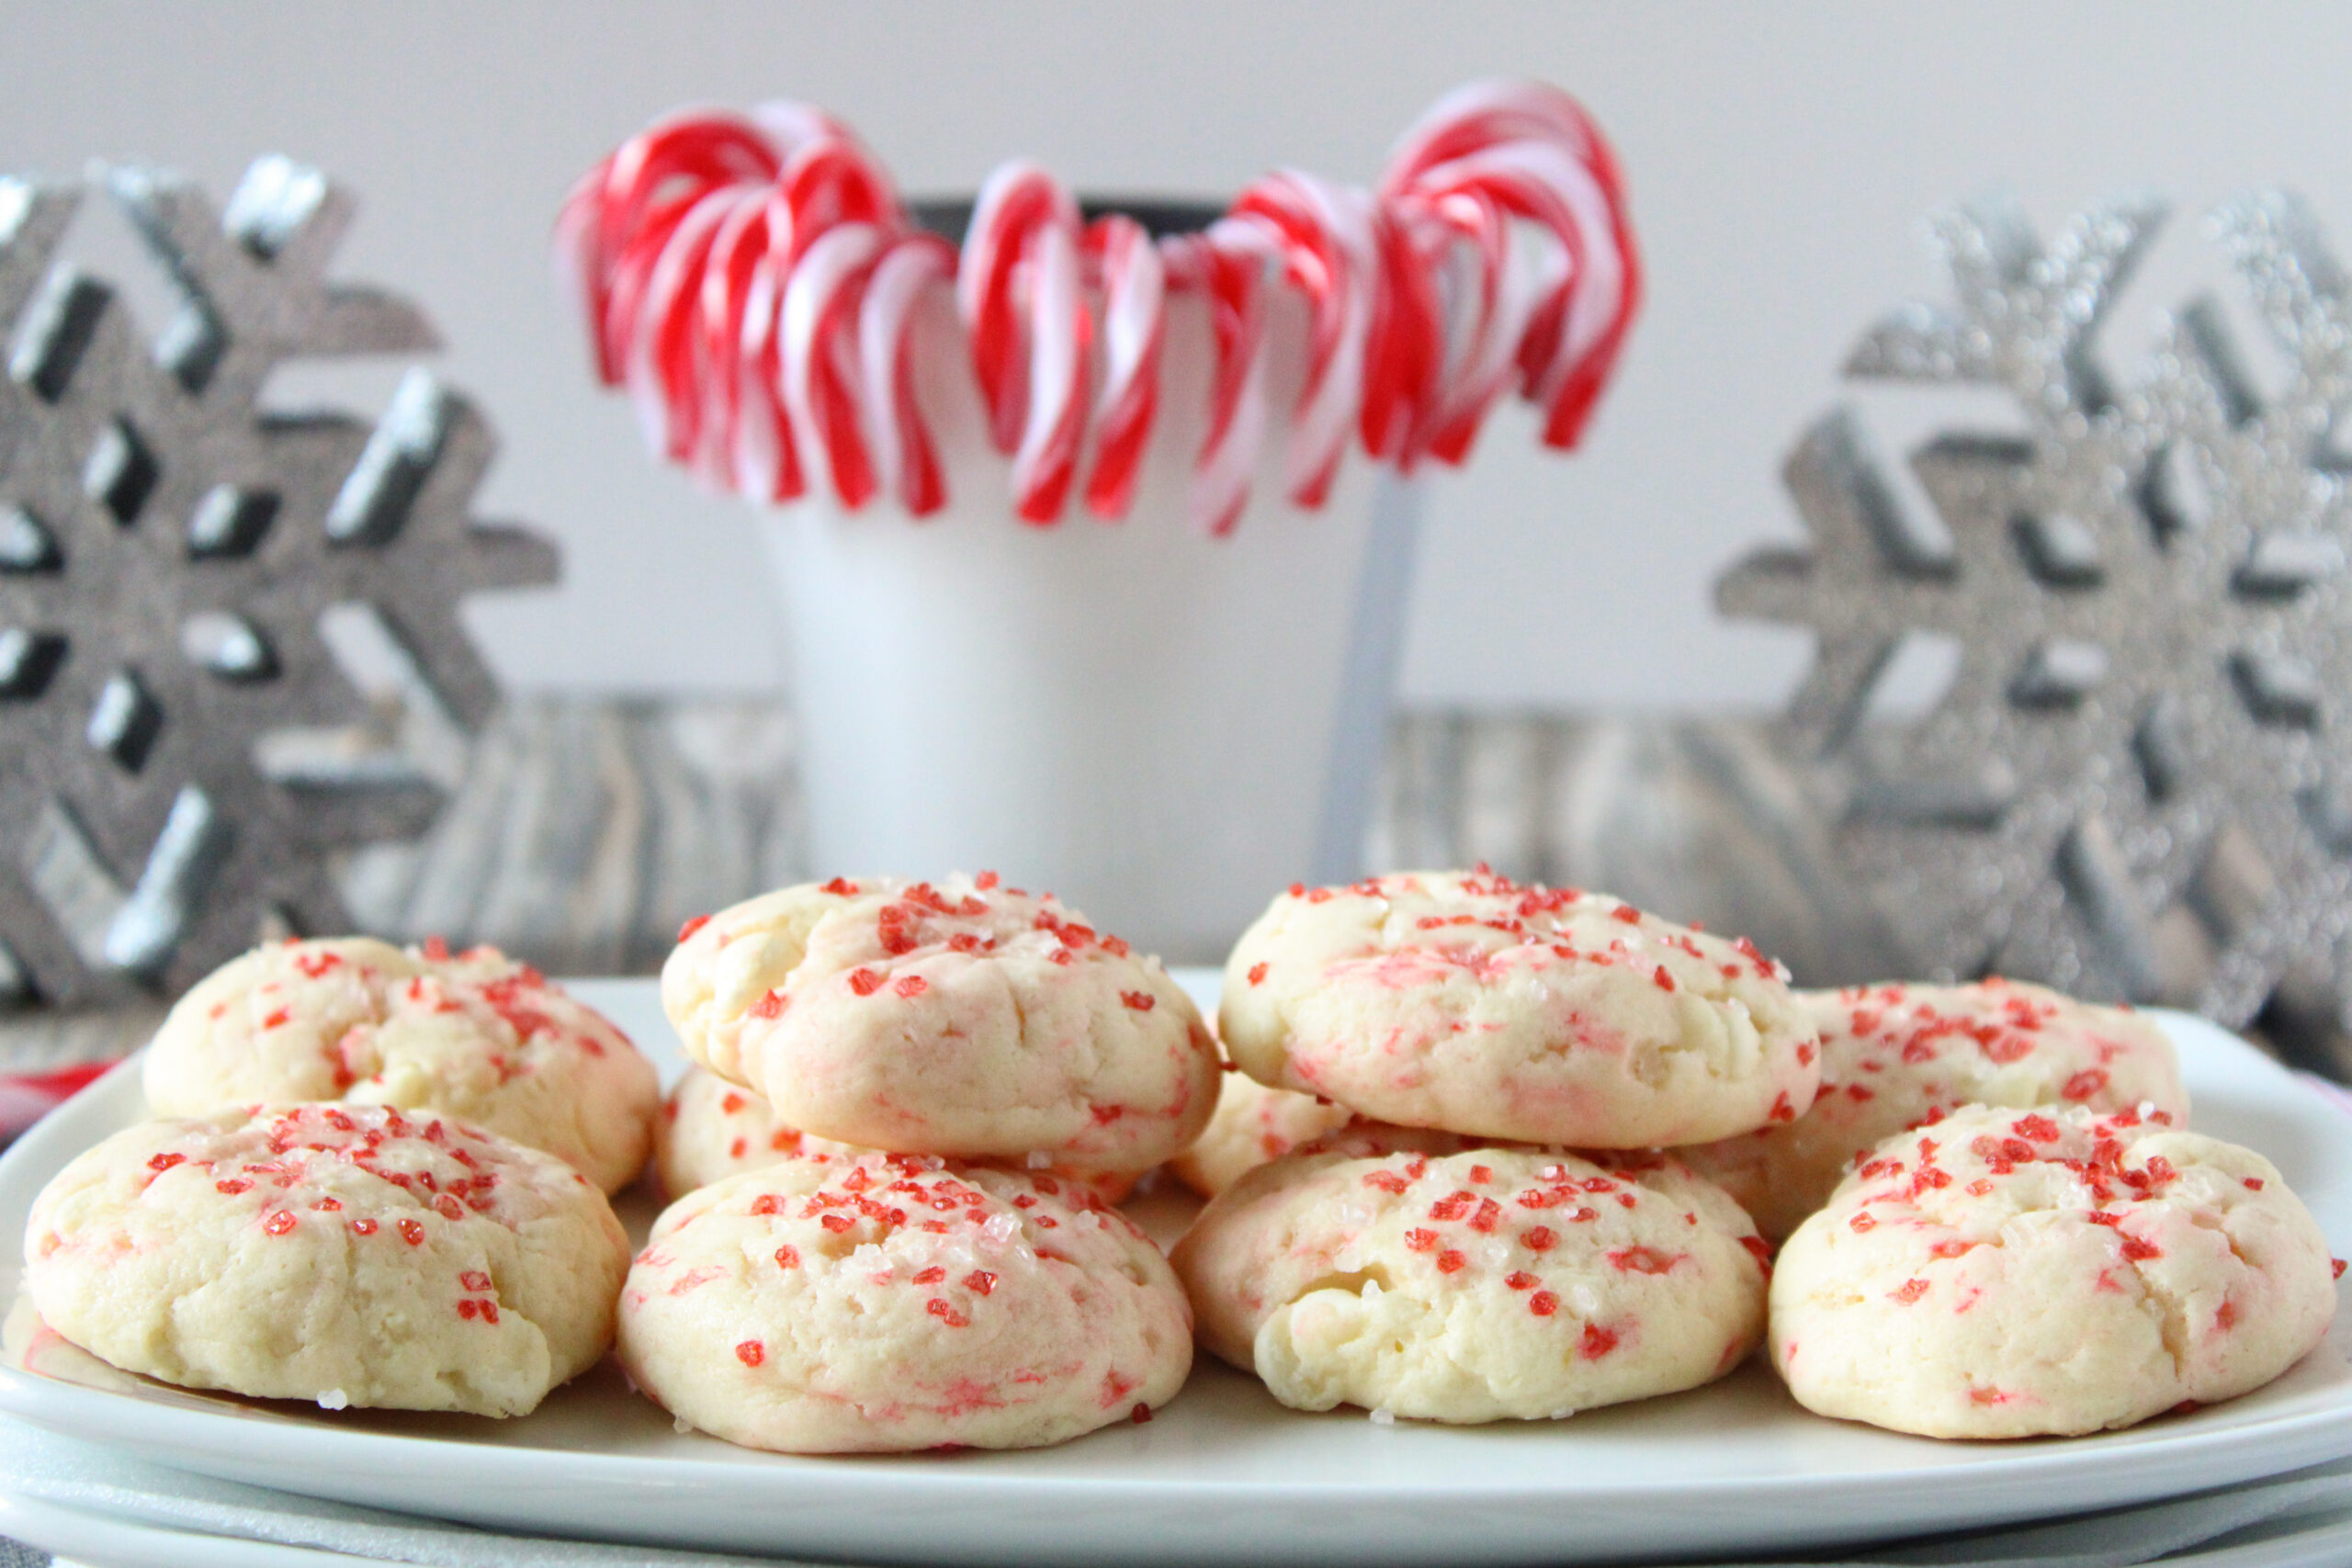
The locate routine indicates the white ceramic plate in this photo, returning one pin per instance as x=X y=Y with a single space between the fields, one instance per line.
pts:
x=1225 y=1475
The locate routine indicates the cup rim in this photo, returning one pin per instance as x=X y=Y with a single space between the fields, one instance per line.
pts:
x=1161 y=216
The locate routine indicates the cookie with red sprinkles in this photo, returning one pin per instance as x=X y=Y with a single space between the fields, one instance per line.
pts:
x=346 y=1254
x=2009 y=1274
x=711 y=1129
x=1474 y=1286
x=1467 y=1001
x=476 y=1035
x=1893 y=1055
x=1253 y=1124
x=962 y=1017
x=893 y=1303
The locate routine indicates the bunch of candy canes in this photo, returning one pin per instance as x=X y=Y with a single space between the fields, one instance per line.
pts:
x=753 y=282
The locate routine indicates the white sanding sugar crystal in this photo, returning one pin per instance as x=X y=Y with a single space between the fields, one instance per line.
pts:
x=1383 y=1416
x=334 y=1399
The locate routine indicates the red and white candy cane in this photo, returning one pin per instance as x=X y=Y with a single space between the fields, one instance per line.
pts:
x=1018 y=285
x=1133 y=284
x=905 y=458
x=821 y=297
x=745 y=428
x=1553 y=313
x=667 y=369
x=627 y=205
x=1227 y=264
x=1322 y=235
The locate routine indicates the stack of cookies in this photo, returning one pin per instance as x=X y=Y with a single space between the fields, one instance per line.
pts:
x=1995 y=1224
x=912 y=1262
x=1445 y=1254
x=377 y=1179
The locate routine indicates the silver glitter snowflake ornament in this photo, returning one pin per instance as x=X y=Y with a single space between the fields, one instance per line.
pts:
x=2137 y=783
x=176 y=763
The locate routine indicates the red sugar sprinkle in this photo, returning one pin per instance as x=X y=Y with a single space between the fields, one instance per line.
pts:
x=1298 y=889
x=1597 y=1341
x=750 y=1352
x=490 y=1312
x=1480 y=1175
x=363 y=1227
x=232 y=1187
x=865 y=982
x=1666 y=983
x=1386 y=1180
x=984 y=881
x=910 y=985
x=1520 y=1279
x=448 y=1208
x=1861 y=1222
x=1539 y=1238
x=1116 y=946
x=770 y=1004
x=2085 y=1084
x=1450 y=1262
x=939 y=1309
x=1781 y=1110
x=1142 y=1001
x=436 y=949
x=1626 y=913
x=1488 y=1212
x=2339 y=1268
x=2254 y=1184
x=412 y=1233
x=1908 y=1291
x=467 y=1307
x=788 y=1257
x=840 y=887
x=1418 y=1240
x=931 y=1276
x=2138 y=1251
x=687 y=931
x=980 y=1281
x=1640 y=1260
x=1140 y=1414
x=326 y=1205
x=474 y=1279
x=836 y=1223
x=165 y=1162
x=2041 y=1129
x=1257 y=973
x=1452 y=1206
x=278 y=1224
x=276 y=1019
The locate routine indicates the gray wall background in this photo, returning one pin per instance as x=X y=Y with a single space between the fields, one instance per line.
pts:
x=1781 y=163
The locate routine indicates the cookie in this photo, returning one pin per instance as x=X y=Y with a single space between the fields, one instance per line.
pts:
x=2013 y=1274
x=1893 y=1055
x=476 y=1036
x=711 y=1129
x=1468 y=1002
x=1252 y=1124
x=1474 y=1286
x=346 y=1254
x=887 y=1303
x=966 y=1019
